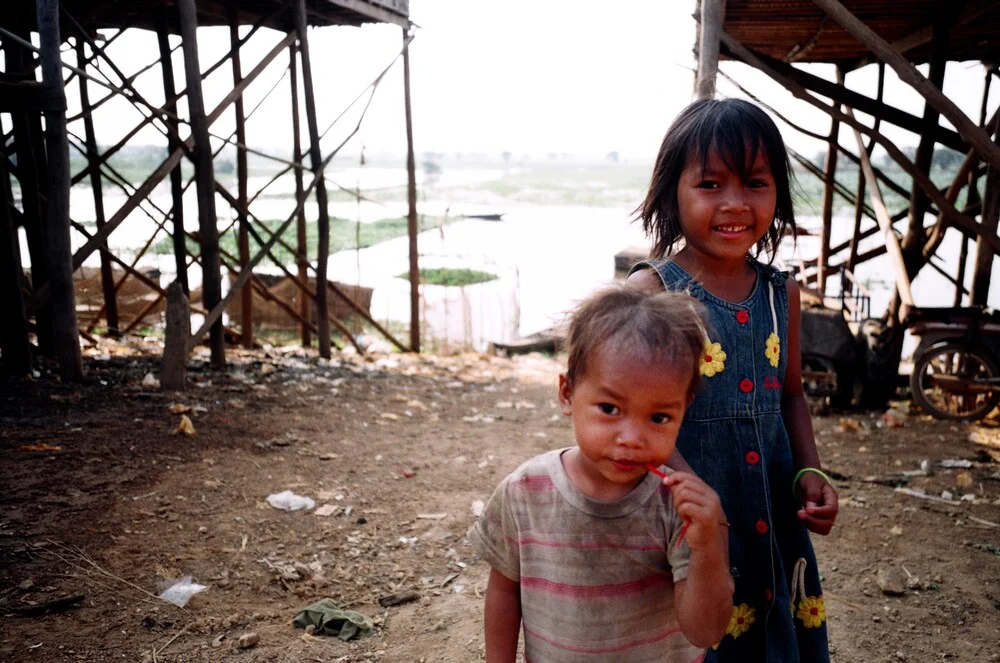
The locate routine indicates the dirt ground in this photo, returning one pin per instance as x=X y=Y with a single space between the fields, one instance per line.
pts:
x=102 y=499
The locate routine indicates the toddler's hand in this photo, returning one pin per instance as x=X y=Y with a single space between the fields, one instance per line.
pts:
x=819 y=503
x=698 y=505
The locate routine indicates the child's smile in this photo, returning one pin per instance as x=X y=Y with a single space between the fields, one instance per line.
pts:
x=626 y=413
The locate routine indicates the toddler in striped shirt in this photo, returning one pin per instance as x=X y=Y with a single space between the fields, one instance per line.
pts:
x=593 y=554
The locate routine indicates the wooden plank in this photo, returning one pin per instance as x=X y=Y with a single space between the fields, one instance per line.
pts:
x=710 y=27
x=15 y=347
x=315 y=157
x=373 y=12
x=246 y=310
x=411 y=197
x=107 y=279
x=58 y=249
x=29 y=96
x=829 y=177
x=972 y=134
x=852 y=259
x=979 y=295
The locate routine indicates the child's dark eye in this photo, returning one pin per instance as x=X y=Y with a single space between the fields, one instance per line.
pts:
x=660 y=418
x=758 y=184
x=708 y=184
x=608 y=408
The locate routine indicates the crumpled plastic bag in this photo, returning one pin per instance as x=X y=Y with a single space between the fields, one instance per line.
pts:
x=289 y=501
x=179 y=592
x=330 y=619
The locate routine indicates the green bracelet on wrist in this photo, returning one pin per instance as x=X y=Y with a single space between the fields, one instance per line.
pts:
x=806 y=470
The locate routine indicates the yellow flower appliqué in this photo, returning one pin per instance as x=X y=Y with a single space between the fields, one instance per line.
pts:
x=812 y=611
x=773 y=351
x=739 y=623
x=713 y=360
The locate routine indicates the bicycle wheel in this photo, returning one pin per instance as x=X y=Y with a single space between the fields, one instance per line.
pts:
x=953 y=381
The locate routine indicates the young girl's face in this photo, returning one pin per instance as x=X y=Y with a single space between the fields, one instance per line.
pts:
x=626 y=414
x=722 y=217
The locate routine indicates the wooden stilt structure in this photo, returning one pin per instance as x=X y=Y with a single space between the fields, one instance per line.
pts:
x=301 y=249
x=246 y=310
x=173 y=144
x=411 y=197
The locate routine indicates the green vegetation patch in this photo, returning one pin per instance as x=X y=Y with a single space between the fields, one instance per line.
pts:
x=453 y=277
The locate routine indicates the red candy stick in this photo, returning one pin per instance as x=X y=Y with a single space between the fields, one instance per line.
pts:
x=663 y=475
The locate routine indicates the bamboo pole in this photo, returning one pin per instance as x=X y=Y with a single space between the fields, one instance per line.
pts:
x=956 y=218
x=316 y=158
x=973 y=135
x=829 y=177
x=107 y=278
x=246 y=308
x=59 y=249
x=173 y=144
x=712 y=16
x=301 y=250
x=979 y=294
x=411 y=197
x=204 y=178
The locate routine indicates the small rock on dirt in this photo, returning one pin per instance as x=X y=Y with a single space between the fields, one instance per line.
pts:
x=399 y=598
x=891 y=582
x=248 y=640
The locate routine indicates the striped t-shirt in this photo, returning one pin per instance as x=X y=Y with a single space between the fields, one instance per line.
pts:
x=597 y=578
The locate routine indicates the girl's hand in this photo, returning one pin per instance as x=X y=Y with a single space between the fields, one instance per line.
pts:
x=819 y=502
x=699 y=506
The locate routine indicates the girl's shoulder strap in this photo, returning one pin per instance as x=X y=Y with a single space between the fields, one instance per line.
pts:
x=671 y=275
x=771 y=273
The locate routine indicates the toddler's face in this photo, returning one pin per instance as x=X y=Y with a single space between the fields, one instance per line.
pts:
x=626 y=413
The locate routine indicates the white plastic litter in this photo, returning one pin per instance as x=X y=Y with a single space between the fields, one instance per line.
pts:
x=179 y=592
x=955 y=463
x=289 y=501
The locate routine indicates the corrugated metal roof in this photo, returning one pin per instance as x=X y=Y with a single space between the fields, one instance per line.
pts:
x=799 y=31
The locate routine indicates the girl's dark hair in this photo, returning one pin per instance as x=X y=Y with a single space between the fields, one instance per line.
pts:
x=665 y=327
x=737 y=130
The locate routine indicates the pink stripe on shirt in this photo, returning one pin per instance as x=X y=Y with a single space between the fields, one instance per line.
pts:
x=603 y=650
x=594 y=591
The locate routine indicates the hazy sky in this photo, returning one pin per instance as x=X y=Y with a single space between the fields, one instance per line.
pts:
x=521 y=76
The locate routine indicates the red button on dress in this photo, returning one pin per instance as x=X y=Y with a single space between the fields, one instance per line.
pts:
x=761 y=527
x=746 y=385
x=742 y=317
x=753 y=457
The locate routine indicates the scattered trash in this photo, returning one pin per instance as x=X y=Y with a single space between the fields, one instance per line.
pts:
x=849 y=425
x=953 y=463
x=327 y=618
x=327 y=510
x=947 y=495
x=963 y=480
x=892 y=419
x=983 y=522
x=399 y=598
x=179 y=592
x=432 y=516
x=248 y=640
x=150 y=381
x=477 y=508
x=924 y=496
x=39 y=446
x=448 y=579
x=896 y=530
x=55 y=605
x=408 y=474
x=289 y=501
x=391 y=416
x=185 y=427
x=179 y=408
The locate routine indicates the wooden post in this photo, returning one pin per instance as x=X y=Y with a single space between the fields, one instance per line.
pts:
x=301 y=248
x=829 y=177
x=712 y=16
x=979 y=294
x=973 y=134
x=916 y=235
x=316 y=158
x=107 y=277
x=173 y=143
x=204 y=179
x=15 y=347
x=246 y=295
x=173 y=373
x=411 y=196
x=59 y=249
x=973 y=199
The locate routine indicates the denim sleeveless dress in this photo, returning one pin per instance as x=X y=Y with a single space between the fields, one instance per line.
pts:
x=734 y=437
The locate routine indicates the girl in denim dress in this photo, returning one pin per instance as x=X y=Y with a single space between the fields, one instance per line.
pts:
x=721 y=185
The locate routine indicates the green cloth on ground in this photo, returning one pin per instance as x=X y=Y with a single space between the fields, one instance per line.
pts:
x=330 y=619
